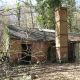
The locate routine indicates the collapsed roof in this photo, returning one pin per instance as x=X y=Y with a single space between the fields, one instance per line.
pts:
x=31 y=34
x=38 y=34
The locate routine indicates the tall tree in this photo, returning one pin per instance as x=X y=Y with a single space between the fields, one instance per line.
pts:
x=70 y=4
x=45 y=9
x=18 y=6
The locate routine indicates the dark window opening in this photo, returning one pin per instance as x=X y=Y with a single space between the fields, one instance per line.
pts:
x=26 y=54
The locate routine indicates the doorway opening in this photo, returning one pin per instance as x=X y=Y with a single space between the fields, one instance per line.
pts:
x=26 y=54
x=51 y=56
x=71 y=52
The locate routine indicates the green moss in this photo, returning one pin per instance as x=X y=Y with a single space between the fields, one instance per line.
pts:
x=62 y=60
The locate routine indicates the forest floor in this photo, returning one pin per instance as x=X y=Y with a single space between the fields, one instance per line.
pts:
x=47 y=71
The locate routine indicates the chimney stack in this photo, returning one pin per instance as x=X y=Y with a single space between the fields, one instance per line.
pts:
x=61 y=34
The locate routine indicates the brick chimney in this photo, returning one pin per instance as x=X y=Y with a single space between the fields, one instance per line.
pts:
x=61 y=34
